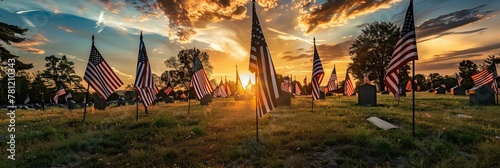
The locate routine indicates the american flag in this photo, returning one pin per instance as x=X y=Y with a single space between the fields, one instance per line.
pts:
x=239 y=86
x=144 y=83
x=305 y=84
x=485 y=76
x=99 y=74
x=228 y=89
x=348 y=87
x=168 y=89
x=297 y=89
x=59 y=92
x=416 y=83
x=366 y=78
x=332 y=82
x=261 y=63
x=27 y=99
x=459 y=79
x=408 y=85
x=286 y=85
x=222 y=89
x=317 y=74
x=199 y=80
x=68 y=96
x=405 y=51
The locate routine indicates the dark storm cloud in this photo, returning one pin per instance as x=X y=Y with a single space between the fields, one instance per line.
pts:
x=452 y=20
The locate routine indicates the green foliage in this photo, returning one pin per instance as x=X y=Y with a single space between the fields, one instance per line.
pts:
x=182 y=65
x=372 y=50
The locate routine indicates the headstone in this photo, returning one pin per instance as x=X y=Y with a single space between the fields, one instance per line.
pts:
x=482 y=95
x=457 y=90
x=169 y=99
x=381 y=123
x=82 y=105
x=37 y=106
x=322 y=95
x=99 y=103
x=121 y=101
x=402 y=90
x=285 y=99
x=131 y=102
x=439 y=90
x=71 y=105
x=367 y=95
x=384 y=92
x=206 y=99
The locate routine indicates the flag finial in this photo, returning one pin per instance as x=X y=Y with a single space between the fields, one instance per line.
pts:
x=92 y=39
x=141 y=35
x=314 y=40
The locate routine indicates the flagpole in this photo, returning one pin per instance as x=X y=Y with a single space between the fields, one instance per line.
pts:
x=413 y=96
x=136 y=105
x=257 y=108
x=85 y=106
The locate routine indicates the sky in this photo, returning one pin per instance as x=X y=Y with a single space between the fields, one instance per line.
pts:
x=448 y=31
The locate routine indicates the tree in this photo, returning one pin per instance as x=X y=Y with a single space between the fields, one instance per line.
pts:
x=371 y=52
x=11 y=34
x=60 y=71
x=492 y=59
x=467 y=68
x=182 y=65
x=435 y=80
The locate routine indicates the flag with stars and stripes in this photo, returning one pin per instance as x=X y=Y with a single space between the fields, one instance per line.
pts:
x=459 y=79
x=317 y=74
x=486 y=76
x=99 y=75
x=332 y=82
x=348 y=87
x=262 y=65
x=239 y=86
x=168 y=89
x=144 y=84
x=60 y=92
x=199 y=80
x=405 y=51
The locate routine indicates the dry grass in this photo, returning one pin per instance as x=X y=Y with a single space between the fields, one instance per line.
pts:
x=222 y=134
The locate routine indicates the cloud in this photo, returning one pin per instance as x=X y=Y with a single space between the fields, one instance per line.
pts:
x=452 y=20
x=336 y=13
x=286 y=36
x=267 y=4
x=31 y=44
x=326 y=51
x=27 y=11
x=121 y=73
x=71 y=57
x=100 y=22
x=451 y=59
x=480 y=30
x=66 y=29
x=186 y=15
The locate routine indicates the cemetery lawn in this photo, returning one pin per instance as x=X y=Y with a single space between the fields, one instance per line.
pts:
x=335 y=134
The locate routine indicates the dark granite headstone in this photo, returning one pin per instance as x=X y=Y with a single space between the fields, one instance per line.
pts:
x=367 y=95
x=402 y=90
x=169 y=99
x=457 y=90
x=439 y=90
x=322 y=95
x=99 y=103
x=71 y=105
x=206 y=99
x=37 y=106
x=482 y=95
x=121 y=101
x=285 y=99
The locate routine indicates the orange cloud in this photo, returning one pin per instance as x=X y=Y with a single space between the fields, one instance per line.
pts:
x=335 y=13
x=31 y=44
x=66 y=29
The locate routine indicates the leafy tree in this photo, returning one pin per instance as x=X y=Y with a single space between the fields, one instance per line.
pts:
x=182 y=65
x=60 y=71
x=10 y=34
x=435 y=80
x=467 y=68
x=492 y=59
x=372 y=50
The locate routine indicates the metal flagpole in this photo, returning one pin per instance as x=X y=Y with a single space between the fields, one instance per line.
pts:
x=413 y=97
x=257 y=107
x=85 y=106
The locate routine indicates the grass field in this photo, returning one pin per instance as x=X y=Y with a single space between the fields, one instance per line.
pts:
x=222 y=134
